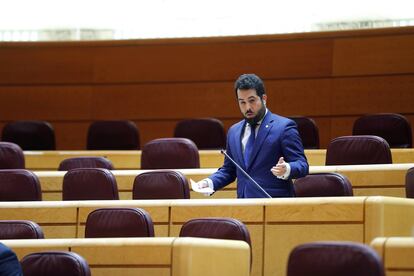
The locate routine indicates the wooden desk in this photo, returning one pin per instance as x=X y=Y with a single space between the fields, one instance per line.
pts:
x=276 y=225
x=397 y=254
x=386 y=180
x=131 y=160
x=149 y=256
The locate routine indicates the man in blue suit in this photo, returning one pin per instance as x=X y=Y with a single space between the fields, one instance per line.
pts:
x=267 y=146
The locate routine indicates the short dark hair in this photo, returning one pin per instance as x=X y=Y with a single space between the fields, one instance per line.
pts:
x=250 y=81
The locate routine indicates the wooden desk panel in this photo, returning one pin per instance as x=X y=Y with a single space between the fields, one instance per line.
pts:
x=57 y=221
x=397 y=254
x=148 y=256
x=131 y=160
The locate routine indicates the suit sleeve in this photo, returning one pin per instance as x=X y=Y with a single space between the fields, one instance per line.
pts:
x=227 y=173
x=293 y=152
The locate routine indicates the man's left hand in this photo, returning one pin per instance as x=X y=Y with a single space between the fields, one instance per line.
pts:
x=280 y=168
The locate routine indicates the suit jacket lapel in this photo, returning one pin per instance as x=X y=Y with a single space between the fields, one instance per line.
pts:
x=237 y=141
x=264 y=130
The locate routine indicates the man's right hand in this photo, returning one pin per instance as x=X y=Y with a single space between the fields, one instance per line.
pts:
x=202 y=184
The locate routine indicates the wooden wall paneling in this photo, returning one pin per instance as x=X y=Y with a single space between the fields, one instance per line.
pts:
x=46 y=64
x=373 y=55
x=325 y=127
x=213 y=61
x=71 y=135
x=158 y=82
x=357 y=96
x=47 y=102
x=164 y=101
x=341 y=126
x=310 y=97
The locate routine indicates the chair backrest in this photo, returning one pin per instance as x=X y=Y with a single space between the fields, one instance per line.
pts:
x=161 y=185
x=409 y=183
x=355 y=150
x=113 y=135
x=89 y=184
x=308 y=131
x=11 y=156
x=9 y=263
x=323 y=184
x=30 y=135
x=20 y=229
x=206 y=133
x=170 y=153
x=85 y=162
x=217 y=228
x=394 y=128
x=52 y=263
x=19 y=185
x=119 y=222
x=334 y=258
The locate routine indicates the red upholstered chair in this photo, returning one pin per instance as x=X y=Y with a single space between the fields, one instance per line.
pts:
x=394 y=128
x=89 y=184
x=30 y=135
x=119 y=222
x=19 y=185
x=85 y=162
x=20 y=229
x=217 y=228
x=52 y=263
x=334 y=258
x=170 y=153
x=358 y=150
x=308 y=131
x=409 y=183
x=206 y=133
x=161 y=185
x=113 y=135
x=11 y=156
x=323 y=184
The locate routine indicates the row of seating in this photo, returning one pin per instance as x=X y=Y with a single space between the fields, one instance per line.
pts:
x=206 y=133
x=131 y=222
x=180 y=153
x=316 y=258
x=136 y=222
x=100 y=184
x=94 y=184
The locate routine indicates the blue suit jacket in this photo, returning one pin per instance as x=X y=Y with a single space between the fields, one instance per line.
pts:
x=9 y=264
x=276 y=137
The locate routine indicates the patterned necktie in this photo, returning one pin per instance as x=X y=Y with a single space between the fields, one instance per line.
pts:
x=250 y=144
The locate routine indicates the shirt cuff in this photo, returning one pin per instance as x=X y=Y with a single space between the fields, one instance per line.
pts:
x=287 y=173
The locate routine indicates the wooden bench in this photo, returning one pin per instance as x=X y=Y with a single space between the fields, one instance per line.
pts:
x=149 y=256
x=367 y=180
x=131 y=160
x=275 y=225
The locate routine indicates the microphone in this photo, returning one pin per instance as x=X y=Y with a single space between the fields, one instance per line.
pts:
x=246 y=174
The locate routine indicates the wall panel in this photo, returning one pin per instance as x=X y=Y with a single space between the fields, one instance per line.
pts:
x=333 y=77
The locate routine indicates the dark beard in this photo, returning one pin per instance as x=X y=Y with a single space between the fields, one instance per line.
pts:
x=258 y=117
